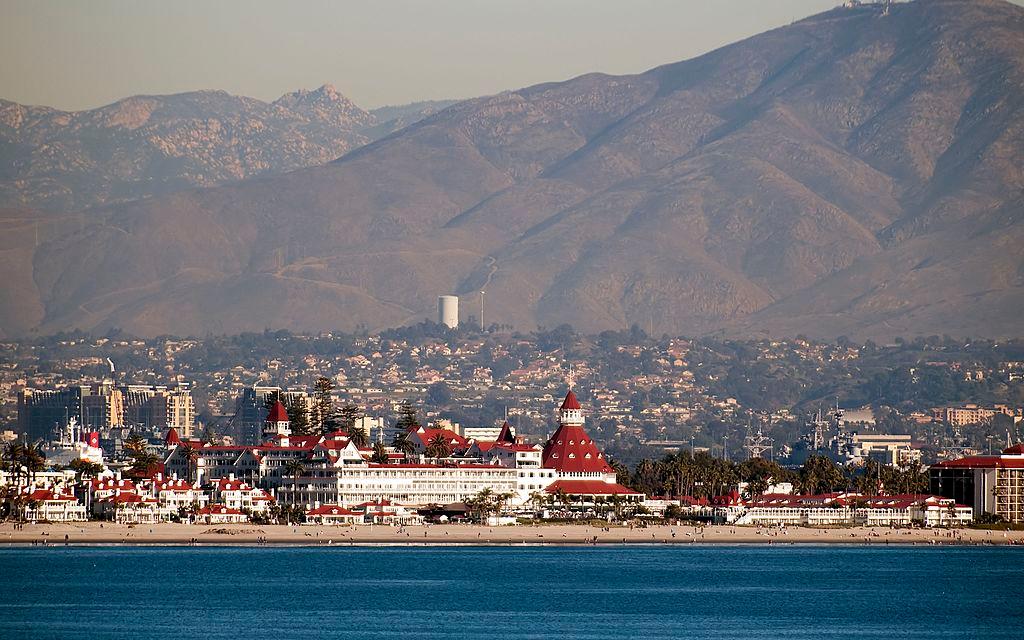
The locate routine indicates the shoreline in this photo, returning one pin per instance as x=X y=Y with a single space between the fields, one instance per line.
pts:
x=87 y=534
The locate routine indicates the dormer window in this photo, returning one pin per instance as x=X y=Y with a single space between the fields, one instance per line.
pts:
x=572 y=456
x=571 y=443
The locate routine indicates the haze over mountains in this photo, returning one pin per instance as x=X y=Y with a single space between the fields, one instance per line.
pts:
x=150 y=145
x=852 y=173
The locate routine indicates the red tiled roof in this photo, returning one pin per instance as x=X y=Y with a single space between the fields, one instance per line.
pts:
x=426 y=435
x=219 y=509
x=172 y=436
x=130 y=498
x=571 y=450
x=332 y=510
x=1015 y=450
x=46 y=495
x=227 y=484
x=982 y=462
x=277 y=413
x=590 y=488
x=570 y=401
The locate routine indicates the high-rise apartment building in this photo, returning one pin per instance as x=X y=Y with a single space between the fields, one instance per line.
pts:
x=42 y=412
x=160 y=406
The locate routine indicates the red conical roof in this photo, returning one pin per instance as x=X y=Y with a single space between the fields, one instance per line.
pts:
x=571 y=450
x=570 y=401
x=172 y=436
x=277 y=413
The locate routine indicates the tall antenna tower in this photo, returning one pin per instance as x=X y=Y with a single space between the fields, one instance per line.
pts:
x=756 y=444
x=819 y=427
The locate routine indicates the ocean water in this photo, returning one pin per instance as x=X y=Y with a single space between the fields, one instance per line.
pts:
x=512 y=592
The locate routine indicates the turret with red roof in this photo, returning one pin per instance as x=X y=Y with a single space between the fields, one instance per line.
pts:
x=277 y=426
x=581 y=466
x=570 y=449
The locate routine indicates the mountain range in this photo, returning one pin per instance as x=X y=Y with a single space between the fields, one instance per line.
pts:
x=150 y=145
x=858 y=172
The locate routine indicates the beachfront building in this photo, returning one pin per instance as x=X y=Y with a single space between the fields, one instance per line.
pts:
x=526 y=459
x=126 y=507
x=582 y=475
x=174 y=494
x=989 y=484
x=237 y=494
x=333 y=514
x=375 y=512
x=220 y=514
x=405 y=483
x=329 y=469
x=844 y=509
x=53 y=505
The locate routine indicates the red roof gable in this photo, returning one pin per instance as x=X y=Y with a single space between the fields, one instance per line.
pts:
x=277 y=413
x=571 y=450
x=426 y=435
x=505 y=435
x=570 y=401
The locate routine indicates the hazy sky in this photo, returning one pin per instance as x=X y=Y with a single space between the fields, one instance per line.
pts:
x=78 y=54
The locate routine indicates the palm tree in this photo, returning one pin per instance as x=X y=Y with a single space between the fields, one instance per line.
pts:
x=294 y=468
x=438 y=447
x=357 y=436
x=403 y=444
x=503 y=500
x=561 y=497
x=616 y=501
x=191 y=457
x=13 y=457
x=143 y=461
x=537 y=499
x=379 y=456
x=34 y=460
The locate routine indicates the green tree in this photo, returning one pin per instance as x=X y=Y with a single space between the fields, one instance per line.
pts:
x=191 y=456
x=294 y=468
x=358 y=437
x=406 y=416
x=379 y=455
x=820 y=475
x=403 y=443
x=438 y=447
x=84 y=469
x=323 y=402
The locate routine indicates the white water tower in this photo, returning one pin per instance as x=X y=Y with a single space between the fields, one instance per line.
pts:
x=448 y=311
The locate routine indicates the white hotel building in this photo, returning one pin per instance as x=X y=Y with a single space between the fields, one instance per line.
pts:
x=336 y=472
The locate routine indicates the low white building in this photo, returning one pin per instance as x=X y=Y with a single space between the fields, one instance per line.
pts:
x=53 y=505
x=846 y=509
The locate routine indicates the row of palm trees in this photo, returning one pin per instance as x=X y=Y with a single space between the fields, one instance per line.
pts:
x=487 y=503
x=601 y=505
x=23 y=461
x=701 y=475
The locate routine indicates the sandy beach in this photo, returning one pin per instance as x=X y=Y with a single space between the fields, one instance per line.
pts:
x=248 y=534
